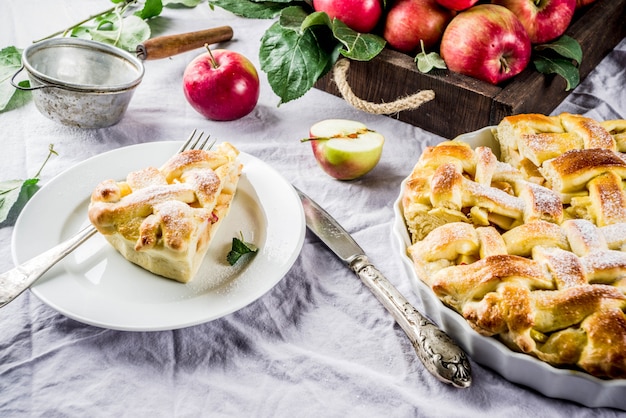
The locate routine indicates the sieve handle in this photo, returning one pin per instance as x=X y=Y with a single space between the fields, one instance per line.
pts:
x=169 y=45
x=30 y=88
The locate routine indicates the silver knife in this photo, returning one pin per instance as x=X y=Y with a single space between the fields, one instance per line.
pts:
x=440 y=354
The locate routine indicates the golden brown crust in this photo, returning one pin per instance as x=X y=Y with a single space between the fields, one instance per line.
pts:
x=571 y=171
x=591 y=132
x=617 y=129
x=531 y=249
x=163 y=219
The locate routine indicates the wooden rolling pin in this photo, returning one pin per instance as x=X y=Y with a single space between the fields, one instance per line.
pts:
x=169 y=45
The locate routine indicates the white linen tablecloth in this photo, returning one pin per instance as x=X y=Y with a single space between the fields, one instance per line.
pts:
x=318 y=343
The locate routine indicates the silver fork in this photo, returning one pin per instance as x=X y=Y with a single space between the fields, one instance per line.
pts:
x=21 y=277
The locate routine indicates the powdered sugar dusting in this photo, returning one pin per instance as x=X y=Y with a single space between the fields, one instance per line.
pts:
x=545 y=202
x=598 y=136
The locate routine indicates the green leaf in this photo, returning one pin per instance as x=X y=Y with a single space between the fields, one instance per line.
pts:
x=134 y=32
x=9 y=192
x=125 y=33
x=29 y=188
x=19 y=98
x=293 y=18
x=10 y=63
x=293 y=61
x=358 y=46
x=81 y=32
x=560 y=57
x=14 y=191
x=428 y=62
x=316 y=19
x=561 y=66
x=151 y=8
x=251 y=9
x=565 y=46
x=239 y=249
x=106 y=25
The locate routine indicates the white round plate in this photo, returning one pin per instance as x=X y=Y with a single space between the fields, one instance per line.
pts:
x=516 y=367
x=97 y=286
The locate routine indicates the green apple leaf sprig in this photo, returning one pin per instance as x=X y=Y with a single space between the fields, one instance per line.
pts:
x=125 y=25
x=302 y=45
x=561 y=57
x=15 y=193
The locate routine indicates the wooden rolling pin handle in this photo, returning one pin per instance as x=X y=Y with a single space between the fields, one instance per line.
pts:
x=169 y=45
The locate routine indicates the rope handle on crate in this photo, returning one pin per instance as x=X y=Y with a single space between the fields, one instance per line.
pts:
x=340 y=75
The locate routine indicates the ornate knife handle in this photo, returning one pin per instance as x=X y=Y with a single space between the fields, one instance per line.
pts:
x=439 y=353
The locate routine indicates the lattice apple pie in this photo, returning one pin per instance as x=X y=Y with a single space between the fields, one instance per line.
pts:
x=530 y=249
x=164 y=219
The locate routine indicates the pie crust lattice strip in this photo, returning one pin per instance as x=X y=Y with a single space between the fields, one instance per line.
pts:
x=164 y=219
x=530 y=248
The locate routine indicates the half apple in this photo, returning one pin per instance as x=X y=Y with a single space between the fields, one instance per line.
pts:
x=345 y=149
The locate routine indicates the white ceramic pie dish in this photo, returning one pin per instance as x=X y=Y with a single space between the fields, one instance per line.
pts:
x=516 y=367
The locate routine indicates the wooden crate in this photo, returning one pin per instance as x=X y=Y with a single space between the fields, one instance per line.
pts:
x=463 y=104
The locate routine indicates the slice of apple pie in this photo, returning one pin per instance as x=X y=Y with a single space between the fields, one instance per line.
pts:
x=164 y=219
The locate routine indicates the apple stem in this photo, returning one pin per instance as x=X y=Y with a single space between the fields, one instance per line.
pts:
x=212 y=58
x=504 y=65
x=349 y=135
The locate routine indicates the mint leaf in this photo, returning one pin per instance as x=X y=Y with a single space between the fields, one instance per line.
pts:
x=251 y=9
x=561 y=66
x=10 y=63
x=293 y=60
x=358 y=46
x=239 y=249
x=565 y=46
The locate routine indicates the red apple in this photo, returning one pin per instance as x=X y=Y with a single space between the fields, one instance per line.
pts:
x=544 y=20
x=345 y=149
x=221 y=85
x=457 y=5
x=409 y=21
x=359 y=15
x=487 y=42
